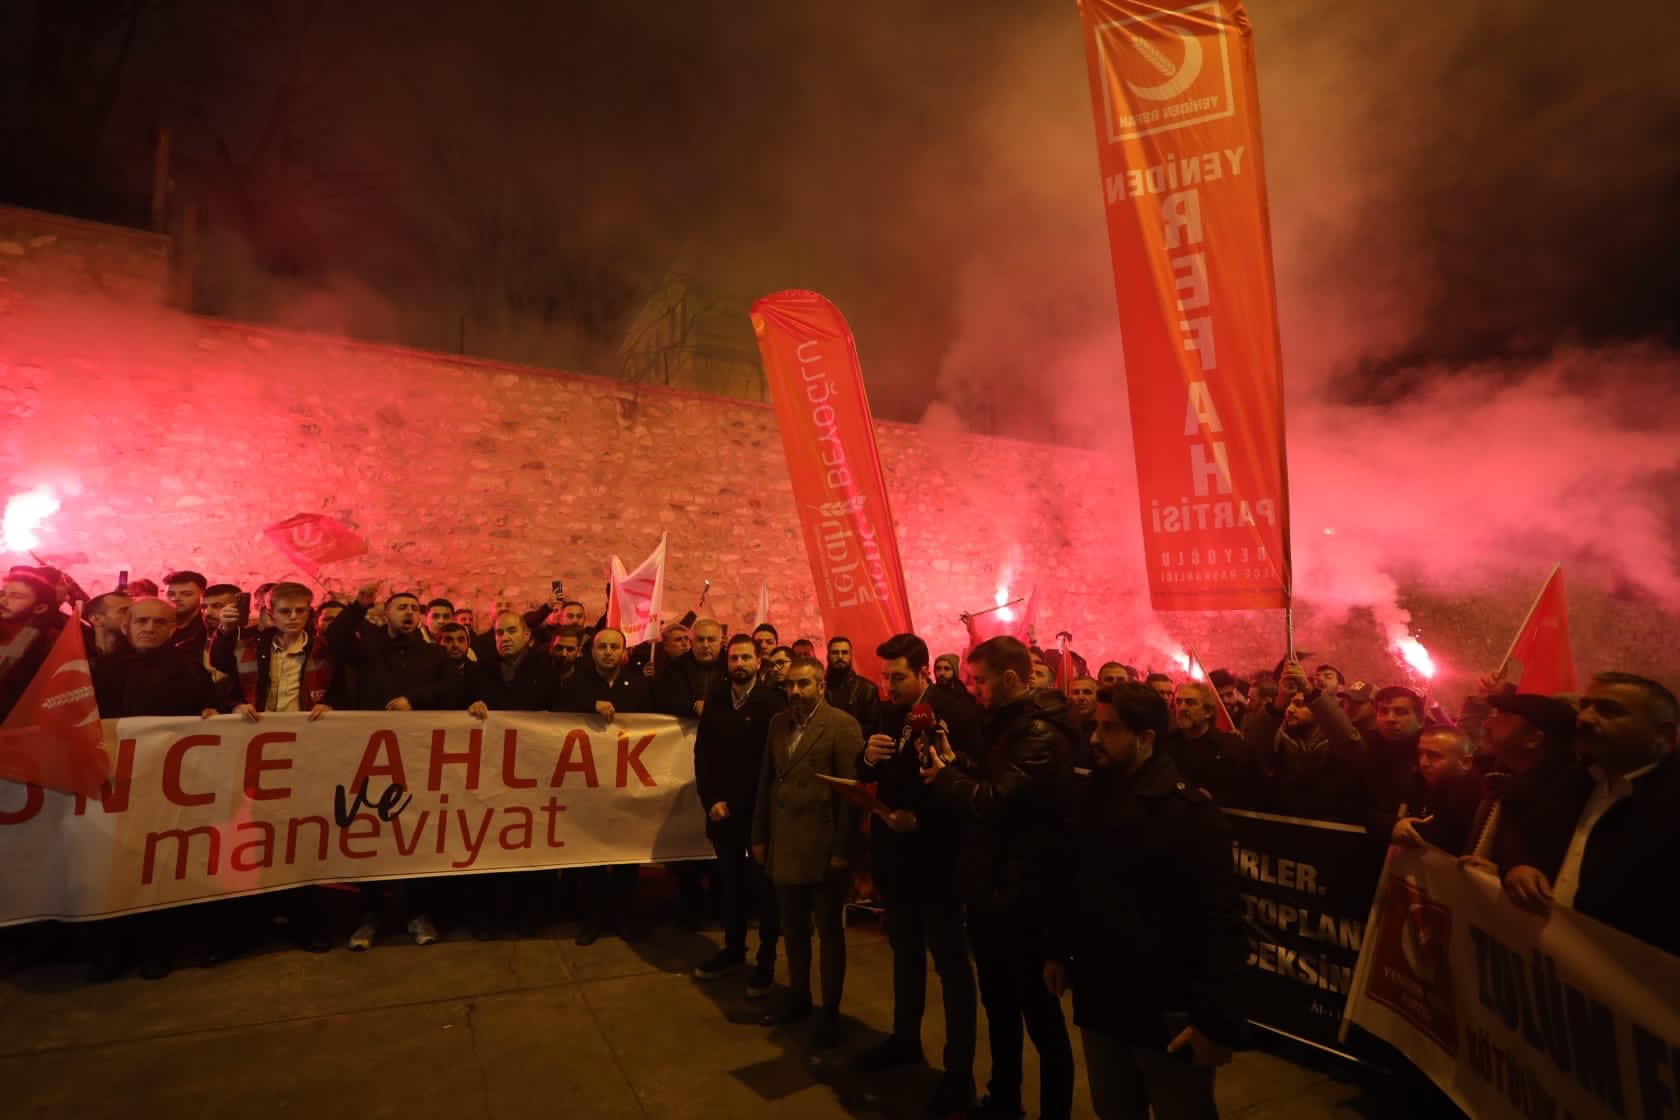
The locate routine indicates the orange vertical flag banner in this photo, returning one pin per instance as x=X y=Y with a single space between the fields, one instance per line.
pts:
x=53 y=737
x=815 y=380
x=1541 y=659
x=1178 y=137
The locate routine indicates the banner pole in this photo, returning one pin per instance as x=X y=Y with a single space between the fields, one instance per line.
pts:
x=1289 y=627
x=1505 y=662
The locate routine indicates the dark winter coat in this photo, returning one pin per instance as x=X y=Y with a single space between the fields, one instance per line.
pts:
x=627 y=692
x=924 y=862
x=729 y=748
x=1632 y=858
x=1219 y=762
x=535 y=686
x=159 y=682
x=1146 y=910
x=683 y=682
x=1013 y=797
x=385 y=666
x=855 y=696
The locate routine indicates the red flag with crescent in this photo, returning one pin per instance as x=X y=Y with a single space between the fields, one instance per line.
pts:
x=310 y=540
x=1015 y=620
x=637 y=596
x=1541 y=659
x=52 y=737
x=1221 y=714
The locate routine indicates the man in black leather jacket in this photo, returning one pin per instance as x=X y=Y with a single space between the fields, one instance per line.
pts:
x=847 y=691
x=1015 y=798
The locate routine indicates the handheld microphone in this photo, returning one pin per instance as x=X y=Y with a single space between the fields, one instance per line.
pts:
x=923 y=721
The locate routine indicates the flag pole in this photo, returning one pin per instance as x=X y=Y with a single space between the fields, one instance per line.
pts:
x=1527 y=618
x=1289 y=626
x=999 y=607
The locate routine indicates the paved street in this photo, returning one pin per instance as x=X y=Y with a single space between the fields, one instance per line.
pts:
x=504 y=1029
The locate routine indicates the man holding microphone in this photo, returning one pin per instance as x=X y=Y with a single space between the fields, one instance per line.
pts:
x=915 y=847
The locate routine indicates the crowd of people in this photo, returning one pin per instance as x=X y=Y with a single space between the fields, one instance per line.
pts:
x=1032 y=840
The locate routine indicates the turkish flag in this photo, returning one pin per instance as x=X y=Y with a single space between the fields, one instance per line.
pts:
x=1221 y=715
x=1015 y=621
x=1540 y=660
x=53 y=737
x=310 y=540
x=637 y=597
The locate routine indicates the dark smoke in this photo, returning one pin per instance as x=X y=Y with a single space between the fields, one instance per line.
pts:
x=1473 y=207
x=1474 y=225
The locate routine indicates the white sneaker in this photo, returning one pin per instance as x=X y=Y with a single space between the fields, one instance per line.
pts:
x=422 y=930
x=362 y=940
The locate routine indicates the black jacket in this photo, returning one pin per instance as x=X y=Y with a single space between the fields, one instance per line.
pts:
x=1219 y=762
x=1146 y=909
x=683 y=682
x=923 y=862
x=16 y=680
x=1537 y=811
x=855 y=696
x=1388 y=769
x=386 y=667
x=535 y=686
x=729 y=748
x=628 y=692
x=160 y=682
x=457 y=684
x=1632 y=859
x=1451 y=803
x=1317 y=776
x=959 y=690
x=1013 y=797
x=192 y=638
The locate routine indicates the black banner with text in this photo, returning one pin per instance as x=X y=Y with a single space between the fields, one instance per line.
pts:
x=1306 y=893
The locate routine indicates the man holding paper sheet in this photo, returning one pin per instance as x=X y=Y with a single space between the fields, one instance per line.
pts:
x=802 y=834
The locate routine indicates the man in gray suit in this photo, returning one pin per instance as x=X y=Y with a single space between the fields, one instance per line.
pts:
x=802 y=831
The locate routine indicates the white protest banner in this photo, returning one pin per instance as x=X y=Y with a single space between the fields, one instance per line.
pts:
x=201 y=809
x=1510 y=1014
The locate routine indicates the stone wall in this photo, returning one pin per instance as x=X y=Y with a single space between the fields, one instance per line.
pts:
x=173 y=440
x=71 y=258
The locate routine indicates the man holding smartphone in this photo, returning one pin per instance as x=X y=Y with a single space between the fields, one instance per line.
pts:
x=280 y=668
x=285 y=668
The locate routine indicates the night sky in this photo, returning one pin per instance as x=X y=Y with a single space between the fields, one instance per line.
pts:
x=1450 y=190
